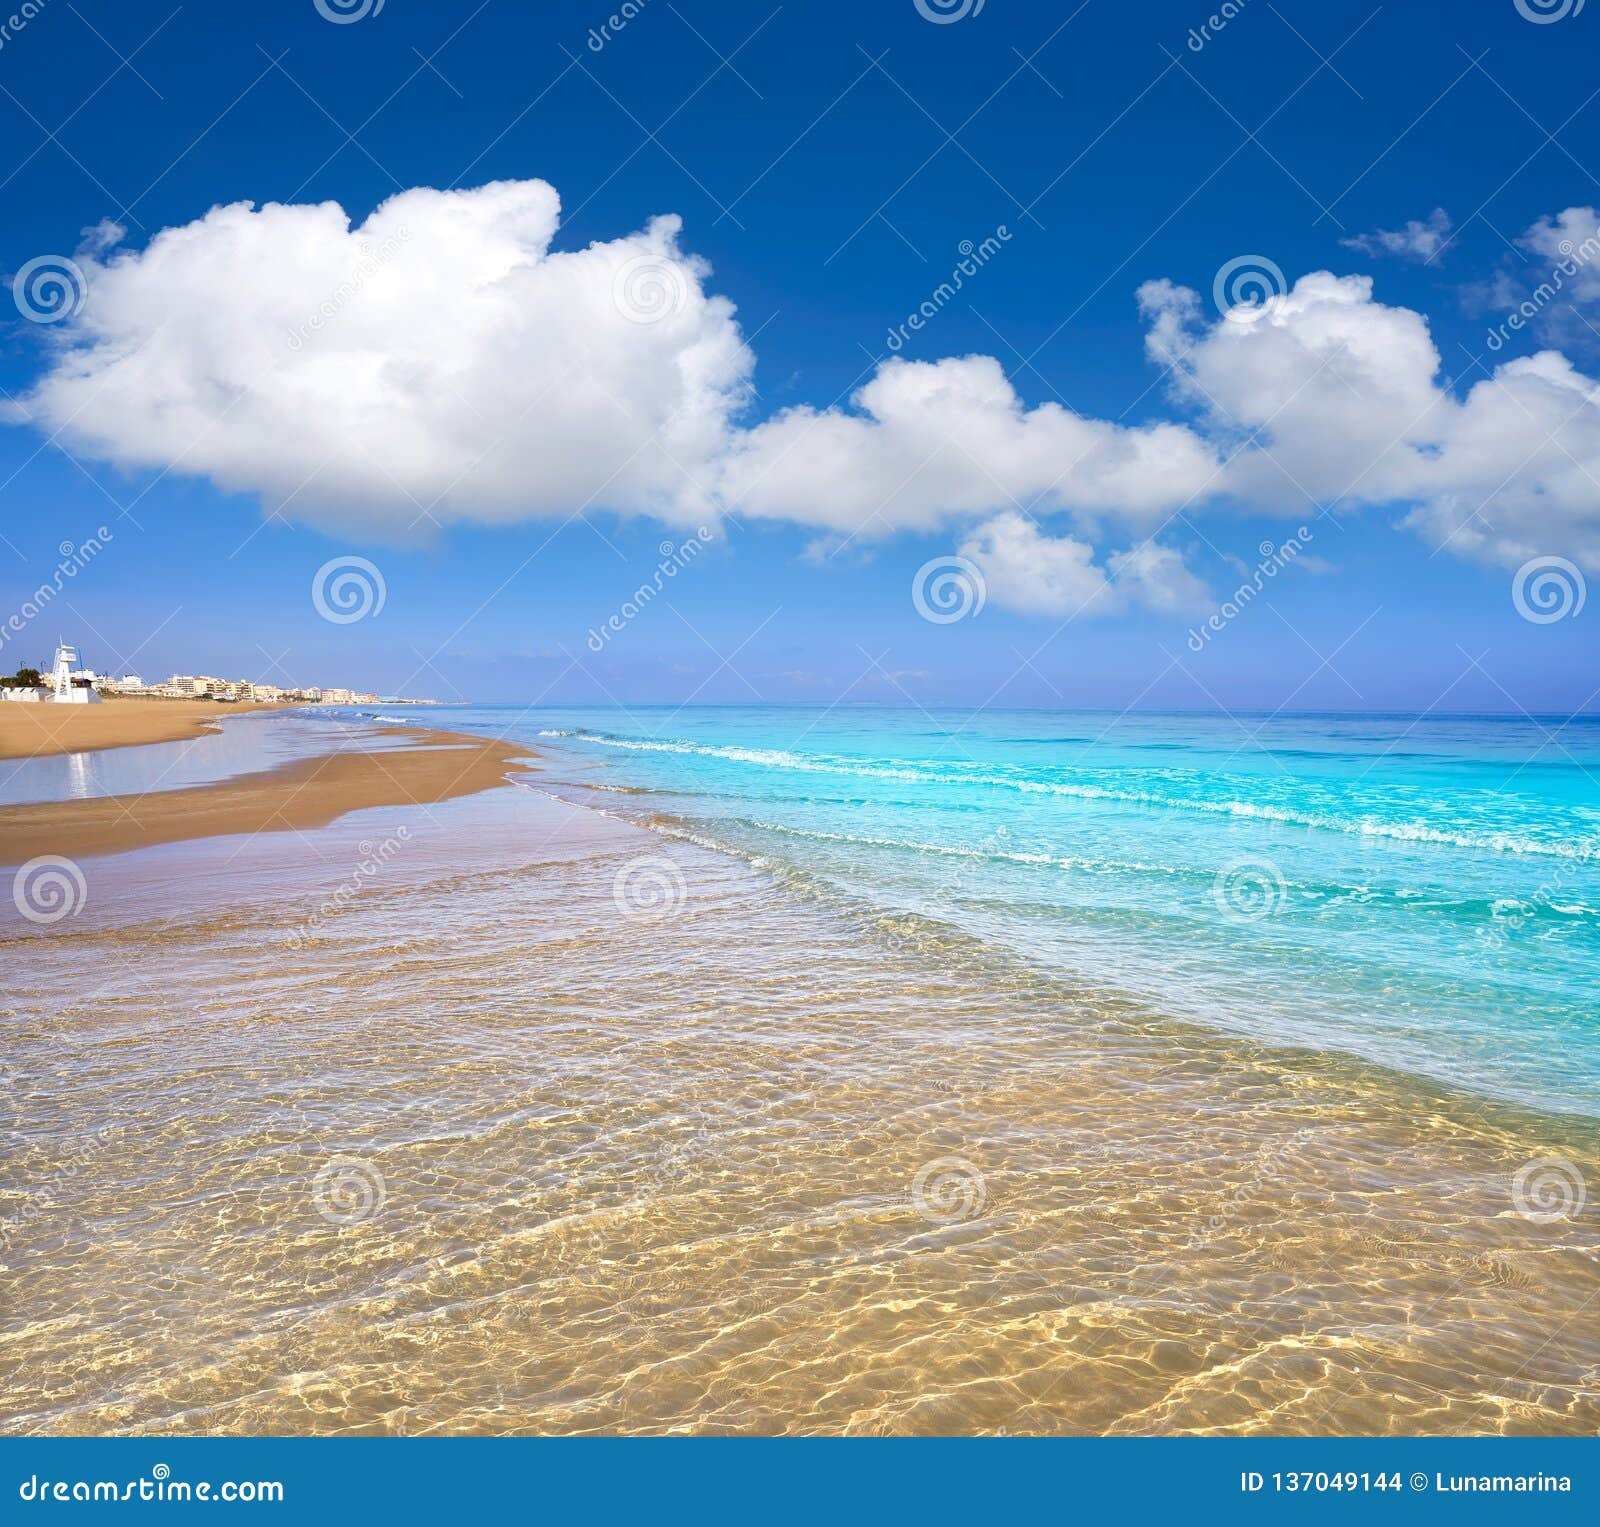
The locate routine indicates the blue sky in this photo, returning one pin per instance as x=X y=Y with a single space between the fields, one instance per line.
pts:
x=826 y=161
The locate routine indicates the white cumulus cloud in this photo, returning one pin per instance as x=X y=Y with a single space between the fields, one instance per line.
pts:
x=1026 y=569
x=1334 y=399
x=444 y=360
x=440 y=356
x=925 y=442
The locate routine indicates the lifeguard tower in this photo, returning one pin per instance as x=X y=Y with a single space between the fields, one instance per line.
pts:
x=62 y=690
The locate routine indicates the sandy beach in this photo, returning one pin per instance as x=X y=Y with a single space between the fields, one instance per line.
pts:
x=532 y=1119
x=433 y=767
x=34 y=731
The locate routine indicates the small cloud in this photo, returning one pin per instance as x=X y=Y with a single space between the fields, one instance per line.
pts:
x=1317 y=566
x=1027 y=570
x=1556 y=291
x=1155 y=576
x=1568 y=243
x=837 y=550
x=1416 y=241
x=103 y=236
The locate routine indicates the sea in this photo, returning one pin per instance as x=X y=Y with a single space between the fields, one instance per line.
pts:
x=1419 y=891
x=820 y=1071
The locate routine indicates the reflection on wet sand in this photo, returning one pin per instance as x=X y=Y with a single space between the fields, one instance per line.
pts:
x=559 y=1127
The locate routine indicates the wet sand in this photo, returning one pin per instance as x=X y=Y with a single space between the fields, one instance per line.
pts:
x=33 y=731
x=530 y=1120
x=305 y=794
x=489 y=1145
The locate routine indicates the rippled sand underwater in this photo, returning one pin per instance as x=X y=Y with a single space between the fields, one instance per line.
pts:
x=481 y=1150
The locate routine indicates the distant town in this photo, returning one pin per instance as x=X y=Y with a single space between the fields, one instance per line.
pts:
x=68 y=681
x=199 y=686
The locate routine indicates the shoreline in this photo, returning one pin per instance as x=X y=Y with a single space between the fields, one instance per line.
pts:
x=439 y=765
x=44 y=730
x=567 y=1071
x=304 y=793
x=473 y=1124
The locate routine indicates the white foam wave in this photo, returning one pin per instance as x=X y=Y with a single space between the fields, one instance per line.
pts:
x=1367 y=827
x=959 y=851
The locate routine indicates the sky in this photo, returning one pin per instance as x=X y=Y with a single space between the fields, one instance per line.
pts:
x=934 y=352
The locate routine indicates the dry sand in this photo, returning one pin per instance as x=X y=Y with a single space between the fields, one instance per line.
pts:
x=29 y=731
x=307 y=793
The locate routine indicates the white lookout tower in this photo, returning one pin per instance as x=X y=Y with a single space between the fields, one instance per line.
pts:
x=62 y=690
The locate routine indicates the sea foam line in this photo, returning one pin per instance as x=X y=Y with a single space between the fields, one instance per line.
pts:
x=1407 y=832
x=956 y=851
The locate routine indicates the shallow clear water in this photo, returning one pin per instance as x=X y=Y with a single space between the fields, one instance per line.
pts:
x=242 y=745
x=549 y=1124
x=1421 y=892
x=502 y=1115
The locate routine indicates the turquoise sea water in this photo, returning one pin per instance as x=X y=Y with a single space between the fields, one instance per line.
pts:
x=1419 y=892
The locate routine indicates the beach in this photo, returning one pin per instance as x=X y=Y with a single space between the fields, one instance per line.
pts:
x=33 y=731
x=432 y=767
x=533 y=1106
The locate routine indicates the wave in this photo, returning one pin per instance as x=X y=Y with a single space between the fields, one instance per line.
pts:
x=911 y=773
x=1332 y=894
x=959 y=851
